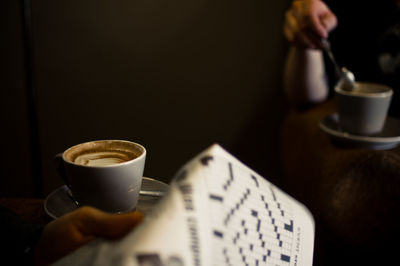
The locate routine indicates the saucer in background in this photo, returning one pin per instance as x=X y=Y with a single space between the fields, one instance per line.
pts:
x=388 y=138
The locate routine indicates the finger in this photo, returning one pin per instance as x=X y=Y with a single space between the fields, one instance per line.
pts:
x=329 y=21
x=116 y=226
x=315 y=40
x=298 y=7
x=298 y=39
x=294 y=34
x=316 y=26
x=304 y=41
x=101 y=224
x=325 y=18
x=303 y=19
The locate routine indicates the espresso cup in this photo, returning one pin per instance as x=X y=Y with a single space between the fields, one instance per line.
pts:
x=363 y=110
x=106 y=174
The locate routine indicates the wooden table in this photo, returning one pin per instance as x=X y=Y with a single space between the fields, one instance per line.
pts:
x=353 y=193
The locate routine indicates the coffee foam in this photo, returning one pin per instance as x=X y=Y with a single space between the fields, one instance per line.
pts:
x=103 y=153
x=366 y=89
x=103 y=158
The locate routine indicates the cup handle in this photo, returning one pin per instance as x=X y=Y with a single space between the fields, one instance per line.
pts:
x=61 y=169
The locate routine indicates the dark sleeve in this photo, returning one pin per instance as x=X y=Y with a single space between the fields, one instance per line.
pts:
x=18 y=239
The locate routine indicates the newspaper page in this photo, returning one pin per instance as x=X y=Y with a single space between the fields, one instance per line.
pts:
x=216 y=212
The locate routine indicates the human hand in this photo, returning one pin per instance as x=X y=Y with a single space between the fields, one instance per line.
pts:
x=73 y=230
x=307 y=22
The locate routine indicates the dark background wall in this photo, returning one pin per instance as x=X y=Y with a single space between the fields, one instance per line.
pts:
x=175 y=76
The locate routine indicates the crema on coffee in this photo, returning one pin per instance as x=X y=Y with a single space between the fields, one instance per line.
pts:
x=102 y=153
x=104 y=158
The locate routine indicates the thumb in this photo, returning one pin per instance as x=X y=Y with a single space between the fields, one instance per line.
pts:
x=101 y=224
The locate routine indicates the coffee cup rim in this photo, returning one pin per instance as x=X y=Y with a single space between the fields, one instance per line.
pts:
x=142 y=154
x=386 y=90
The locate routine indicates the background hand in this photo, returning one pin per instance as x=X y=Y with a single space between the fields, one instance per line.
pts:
x=307 y=22
x=73 y=230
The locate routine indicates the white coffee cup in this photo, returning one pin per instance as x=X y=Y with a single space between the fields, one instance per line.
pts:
x=106 y=174
x=363 y=110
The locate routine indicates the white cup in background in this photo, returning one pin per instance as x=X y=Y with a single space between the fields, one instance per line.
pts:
x=363 y=110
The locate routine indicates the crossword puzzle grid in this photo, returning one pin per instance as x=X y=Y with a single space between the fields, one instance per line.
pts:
x=256 y=227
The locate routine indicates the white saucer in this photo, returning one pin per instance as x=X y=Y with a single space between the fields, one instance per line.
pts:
x=59 y=202
x=388 y=138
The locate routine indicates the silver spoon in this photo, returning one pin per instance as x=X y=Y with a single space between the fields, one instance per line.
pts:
x=153 y=193
x=345 y=75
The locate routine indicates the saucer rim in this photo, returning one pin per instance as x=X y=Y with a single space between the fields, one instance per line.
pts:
x=64 y=187
x=348 y=136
